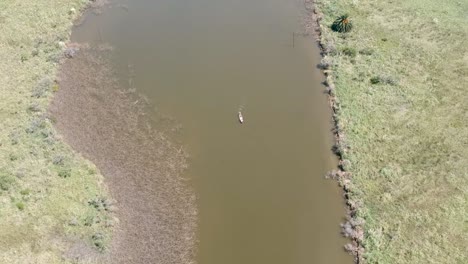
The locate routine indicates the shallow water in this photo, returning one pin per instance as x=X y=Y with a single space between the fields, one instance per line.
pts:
x=262 y=197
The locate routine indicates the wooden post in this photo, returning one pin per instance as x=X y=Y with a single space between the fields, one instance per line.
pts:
x=293 y=39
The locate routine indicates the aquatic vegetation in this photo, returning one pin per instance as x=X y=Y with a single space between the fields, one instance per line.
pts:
x=88 y=76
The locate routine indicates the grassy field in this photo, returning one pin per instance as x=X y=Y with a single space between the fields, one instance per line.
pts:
x=51 y=199
x=401 y=77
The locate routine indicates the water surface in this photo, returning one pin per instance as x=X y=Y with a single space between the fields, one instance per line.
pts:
x=262 y=196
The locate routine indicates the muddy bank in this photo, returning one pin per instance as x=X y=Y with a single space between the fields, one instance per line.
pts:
x=106 y=124
x=353 y=227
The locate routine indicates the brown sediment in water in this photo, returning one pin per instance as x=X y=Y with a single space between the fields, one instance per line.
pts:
x=353 y=228
x=142 y=167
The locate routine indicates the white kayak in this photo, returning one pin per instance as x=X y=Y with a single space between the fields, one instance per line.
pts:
x=241 y=118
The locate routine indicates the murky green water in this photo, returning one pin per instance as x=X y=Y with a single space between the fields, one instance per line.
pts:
x=261 y=192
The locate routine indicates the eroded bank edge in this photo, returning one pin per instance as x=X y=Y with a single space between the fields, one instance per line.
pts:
x=353 y=228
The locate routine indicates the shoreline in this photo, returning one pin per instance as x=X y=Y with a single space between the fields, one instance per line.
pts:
x=399 y=120
x=353 y=228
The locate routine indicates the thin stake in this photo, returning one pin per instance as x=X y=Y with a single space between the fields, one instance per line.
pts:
x=100 y=35
x=293 y=39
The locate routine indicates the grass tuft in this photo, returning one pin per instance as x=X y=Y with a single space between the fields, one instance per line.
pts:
x=350 y=52
x=20 y=206
x=42 y=87
x=64 y=173
x=6 y=182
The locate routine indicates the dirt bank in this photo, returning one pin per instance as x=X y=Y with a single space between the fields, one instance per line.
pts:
x=142 y=168
x=403 y=112
x=353 y=227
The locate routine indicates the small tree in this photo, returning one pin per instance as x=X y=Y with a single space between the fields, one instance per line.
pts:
x=342 y=24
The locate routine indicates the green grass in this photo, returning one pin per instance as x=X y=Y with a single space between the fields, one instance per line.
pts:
x=44 y=185
x=404 y=112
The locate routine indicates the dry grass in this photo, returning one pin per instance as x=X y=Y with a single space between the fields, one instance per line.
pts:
x=45 y=186
x=403 y=108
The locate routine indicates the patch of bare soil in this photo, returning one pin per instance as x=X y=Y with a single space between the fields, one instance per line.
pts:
x=143 y=169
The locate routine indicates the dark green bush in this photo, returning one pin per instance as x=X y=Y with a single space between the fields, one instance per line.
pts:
x=100 y=203
x=366 y=51
x=350 y=52
x=342 y=24
x=384 y=80
x=64 y=173
x=98 y=241
x=20 y=206
x=375 y=80
x=6 y=181
x=89 y=220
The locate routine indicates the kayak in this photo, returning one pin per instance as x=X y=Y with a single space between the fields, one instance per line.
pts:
x=241 y=118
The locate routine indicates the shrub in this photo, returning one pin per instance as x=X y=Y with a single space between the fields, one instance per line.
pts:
x=389 y=80
x=366 y=51
x=14 y=137
x=338 y=149
x=54 y=57
x=350 y=52
x=58 y=160
x=98 y=241
x=384 y=80
x=34 y=107
x=89 y=220
x=329 y=48
x=13 y=157
x=24 y=57
x=55 y=88
x=324 y=64
x=20 y=206
x=342 y=24
x=64 y=173
x=375 y=80
x=25 y=192
x=42 y=87
x=100 y=203
x=70 y=52
x=35 y=125
x=6 y=181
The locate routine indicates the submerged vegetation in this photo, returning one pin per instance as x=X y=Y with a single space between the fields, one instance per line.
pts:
x=401 y=126
x=46 y=190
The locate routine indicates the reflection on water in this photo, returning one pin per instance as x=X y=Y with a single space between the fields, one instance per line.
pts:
x=262 y=197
